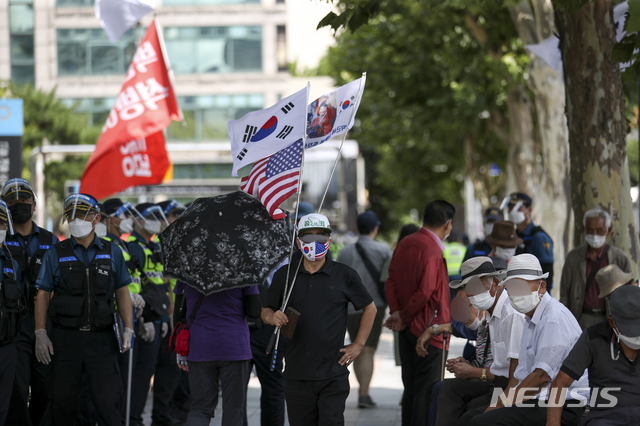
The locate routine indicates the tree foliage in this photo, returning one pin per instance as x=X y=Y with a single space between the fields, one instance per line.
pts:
x=48 y=118
x=435 y=99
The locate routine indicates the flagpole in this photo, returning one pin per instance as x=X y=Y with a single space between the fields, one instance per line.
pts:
x=275 y=338
x=167 y=63
x=344 y=136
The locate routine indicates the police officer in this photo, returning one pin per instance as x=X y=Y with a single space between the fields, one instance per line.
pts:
x=27 y=246
x=453 y=253
x=482 y=247
x=86 y=276
x=167 y=374
x=149 y=263
x=9 y=309
x=536 y=241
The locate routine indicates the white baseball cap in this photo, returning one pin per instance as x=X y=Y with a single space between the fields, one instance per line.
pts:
x=314 y=221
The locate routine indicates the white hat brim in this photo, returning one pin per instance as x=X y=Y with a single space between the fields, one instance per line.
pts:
x=525 y=277
x=462 y=283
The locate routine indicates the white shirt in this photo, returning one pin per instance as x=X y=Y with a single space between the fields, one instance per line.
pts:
x=505 y=329
x=547 y=339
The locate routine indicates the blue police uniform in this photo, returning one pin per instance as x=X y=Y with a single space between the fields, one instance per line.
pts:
x=83 y=340
x=30 y=377
x=538 y=243
x=8 y=351
x=479 y=248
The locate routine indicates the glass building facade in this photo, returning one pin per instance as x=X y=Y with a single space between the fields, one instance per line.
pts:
x=21 y=25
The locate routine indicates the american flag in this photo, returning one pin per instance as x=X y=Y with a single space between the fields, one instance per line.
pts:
x=319 y=249
x=275 y=178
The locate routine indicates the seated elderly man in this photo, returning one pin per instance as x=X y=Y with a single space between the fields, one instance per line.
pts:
x=549 y=334
x=504 y=326
x=609 y=350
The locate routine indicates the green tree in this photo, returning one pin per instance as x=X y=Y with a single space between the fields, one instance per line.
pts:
x=434 y=106
x=48 y=118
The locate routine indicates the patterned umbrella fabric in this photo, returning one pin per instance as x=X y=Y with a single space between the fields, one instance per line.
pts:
x=224 y=242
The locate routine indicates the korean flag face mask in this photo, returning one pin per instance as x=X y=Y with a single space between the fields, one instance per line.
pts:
x=314 y=250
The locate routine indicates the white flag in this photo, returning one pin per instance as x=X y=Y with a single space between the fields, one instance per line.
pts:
x=117 y=16
x=333 y=113
x=261 y=133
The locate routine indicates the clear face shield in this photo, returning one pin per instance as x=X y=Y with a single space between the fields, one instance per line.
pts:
x=128 y=217
x=155 y=220
x=6 y=224
x=174 y=208
x=17 y=189
x=79 y=206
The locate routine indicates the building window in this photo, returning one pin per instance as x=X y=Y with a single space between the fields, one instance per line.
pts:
x=198 y=50
x=21 y=41
x=74 y=2
x=281 y=48
x=206 y=116
x=206 y=2
x=89 y=52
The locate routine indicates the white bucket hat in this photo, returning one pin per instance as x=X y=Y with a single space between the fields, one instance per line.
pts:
x=480 y=266
x=526 y=267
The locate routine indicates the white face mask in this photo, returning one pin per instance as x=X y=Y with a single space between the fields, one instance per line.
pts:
x=482 y=301
x=80 y=228
x=631 y=342
x=476 y=323
x=126 y=225
x=152 y=226
x=595 y=241
x=527 y=302
x=3 y=235
x=101 y=230
x=516 y=216
x=488 y=227
x=505 y=253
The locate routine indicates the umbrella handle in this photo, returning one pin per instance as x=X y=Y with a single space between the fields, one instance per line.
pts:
x=272 y=343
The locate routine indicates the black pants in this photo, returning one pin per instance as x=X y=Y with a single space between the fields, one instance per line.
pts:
x=165 y=383
x=417 y=374
x=316 y=402
x=272 y=396
x=30 y=374
x=143 y=369
x=94 y=354
x=520 y=416
x=457 y=396
x=8 y=362
x=203 y=379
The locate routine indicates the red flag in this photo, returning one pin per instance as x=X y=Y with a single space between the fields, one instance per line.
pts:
x=130 y=150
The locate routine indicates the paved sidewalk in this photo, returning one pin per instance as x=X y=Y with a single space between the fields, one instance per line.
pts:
x=386 y=391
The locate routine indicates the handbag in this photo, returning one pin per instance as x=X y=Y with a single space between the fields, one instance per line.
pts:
x=179 y=340
x=372 y=271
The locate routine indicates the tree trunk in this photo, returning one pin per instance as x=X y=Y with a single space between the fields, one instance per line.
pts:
x=596 y=121
x=538 y=157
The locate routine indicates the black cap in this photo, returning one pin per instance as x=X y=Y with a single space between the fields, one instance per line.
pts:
x=520 y=196
x=625 y=309
x=493 y=213
x=367 y=222
x=171 y=207
x=111 y=205
x=143 y=206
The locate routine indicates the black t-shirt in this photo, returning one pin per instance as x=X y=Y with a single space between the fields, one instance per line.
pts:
x=593 y=351
x=322 y=300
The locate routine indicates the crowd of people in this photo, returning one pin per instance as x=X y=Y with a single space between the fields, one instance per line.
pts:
x=86 y=322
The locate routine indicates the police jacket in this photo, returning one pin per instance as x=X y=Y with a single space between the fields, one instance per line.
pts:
x=130 y=261
x=84 y=281
x=10 y=295
x=28 y=253
x=149 y=261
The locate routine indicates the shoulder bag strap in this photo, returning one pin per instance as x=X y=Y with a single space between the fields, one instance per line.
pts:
x=192 y=317
x=372 y=270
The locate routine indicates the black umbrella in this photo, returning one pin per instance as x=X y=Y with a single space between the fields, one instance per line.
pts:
x=224 y=242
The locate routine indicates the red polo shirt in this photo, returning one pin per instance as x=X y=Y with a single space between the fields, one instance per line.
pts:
x=418 y=283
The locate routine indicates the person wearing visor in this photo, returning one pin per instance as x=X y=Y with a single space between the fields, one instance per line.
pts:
x=579 y=290
x=536 y=241
x=504 y=327
x=27 y=245
x=85 y=275
x=167 y=374
x=549 y=334
x=119 y=218
x=149 y=264
x=316 y=378
x=482 y=247
x=504 y=240
x=10 y=311
x=608 y=350
x=610 y=278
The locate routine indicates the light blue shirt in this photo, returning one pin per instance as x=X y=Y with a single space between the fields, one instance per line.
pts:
x=547 y=339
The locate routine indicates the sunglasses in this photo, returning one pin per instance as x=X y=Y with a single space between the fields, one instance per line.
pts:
x=309 y=238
